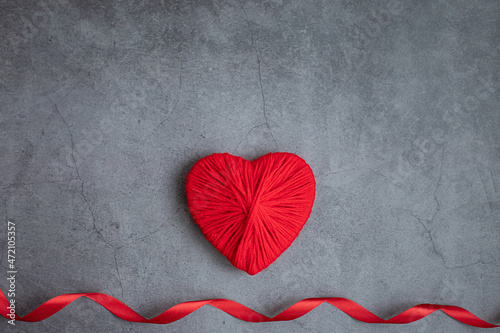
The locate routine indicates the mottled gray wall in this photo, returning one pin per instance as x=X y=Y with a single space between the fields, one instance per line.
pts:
x=394 y=104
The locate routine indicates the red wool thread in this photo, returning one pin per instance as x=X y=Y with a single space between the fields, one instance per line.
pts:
x=251 y=211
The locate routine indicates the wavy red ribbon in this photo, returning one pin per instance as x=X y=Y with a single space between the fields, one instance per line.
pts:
x=240 y=311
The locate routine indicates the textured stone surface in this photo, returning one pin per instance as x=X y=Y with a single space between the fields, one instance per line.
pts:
x=106 y=106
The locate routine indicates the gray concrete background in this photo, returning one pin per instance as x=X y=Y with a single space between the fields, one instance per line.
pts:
x=106 y=106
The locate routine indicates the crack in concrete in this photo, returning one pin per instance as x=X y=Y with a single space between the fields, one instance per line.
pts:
x=82 y=188
x=480 y=261
x=116 y=248
x=38 y=183
x=259 y=72
x=82 y=192
x=174 y=108
x=246 y=136
x=490 y=194
x=431 y=221
x=486 y=194
x=429 y=233
x=155 y=231
x=438 y=208
x=117 y=270
x=438 y=183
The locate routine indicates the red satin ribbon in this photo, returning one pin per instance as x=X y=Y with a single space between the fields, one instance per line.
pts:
x=239 y=311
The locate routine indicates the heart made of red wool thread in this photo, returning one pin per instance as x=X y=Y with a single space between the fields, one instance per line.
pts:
x=251 y=211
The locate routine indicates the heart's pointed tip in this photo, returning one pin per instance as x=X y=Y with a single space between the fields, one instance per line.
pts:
x=253 y=272
x=249 y=269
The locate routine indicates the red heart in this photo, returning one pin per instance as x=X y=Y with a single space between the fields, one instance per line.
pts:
x=251 y=211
